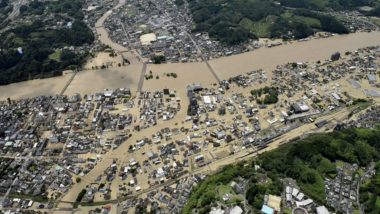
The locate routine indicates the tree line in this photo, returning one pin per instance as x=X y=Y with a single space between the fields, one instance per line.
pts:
x=222 y=19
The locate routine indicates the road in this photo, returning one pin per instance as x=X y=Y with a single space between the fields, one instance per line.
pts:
x=142 y=77
x=8 y=191
x=68 y=82
x=360 y=207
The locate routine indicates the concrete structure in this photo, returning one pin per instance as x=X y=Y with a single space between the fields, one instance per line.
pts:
x=236 y=210
x=299 y=210
x=300 y=107
x=322 y=210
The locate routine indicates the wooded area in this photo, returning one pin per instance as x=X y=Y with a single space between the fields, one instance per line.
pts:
x=236 y=21
x=37 y=50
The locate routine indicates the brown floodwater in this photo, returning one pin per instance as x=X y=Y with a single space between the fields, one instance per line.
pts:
x=265 y=58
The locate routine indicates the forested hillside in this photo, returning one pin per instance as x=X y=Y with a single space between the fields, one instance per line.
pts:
x=46 y=43
x=236 y=21
x=5 y=9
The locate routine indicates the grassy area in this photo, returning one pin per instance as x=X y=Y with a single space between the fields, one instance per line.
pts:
x=359 y=105
x=97 y=203
x=56 y=56
x=315 y=190
x=360 y=172
x=18 y=41
x=365 y=183
x=227 y=189
x=320 y=4
x=339 y=163
x=30 y=197
x=287 y=14
x=311 y=22
x=224 y=189
x=130 y=12
x=260 y=28
x=363 y=105
x=378 y=201
x=376 y=21
x=287 y=211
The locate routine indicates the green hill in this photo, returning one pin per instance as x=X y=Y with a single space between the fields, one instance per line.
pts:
x=36 y=48
x=236 y=21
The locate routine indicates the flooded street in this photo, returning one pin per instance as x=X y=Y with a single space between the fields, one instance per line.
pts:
x=116 y=133
x=105 y=39
x=102 y=32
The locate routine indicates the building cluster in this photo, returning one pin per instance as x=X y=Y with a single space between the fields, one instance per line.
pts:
x=251 y=78
x=298 y=202
x=50 y=137
x=43 y=137
x=168 y=199
x=355 y=21
x=315 y=81
x=161 y=28
x=341 y=192
x=233 y=201
x=27 y=180
x=369 y=119
x=158 y=105
x=94 y=9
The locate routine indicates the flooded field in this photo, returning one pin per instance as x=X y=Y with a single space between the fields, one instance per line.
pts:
x=186 y=74
x=34 y=88
x=103 y=59
x=90 y=81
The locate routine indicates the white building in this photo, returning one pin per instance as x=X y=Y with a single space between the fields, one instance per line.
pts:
x=322 y=210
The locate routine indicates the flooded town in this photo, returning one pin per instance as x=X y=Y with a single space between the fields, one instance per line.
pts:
x=153 y=147
x=163 y=30
x=157 y=109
